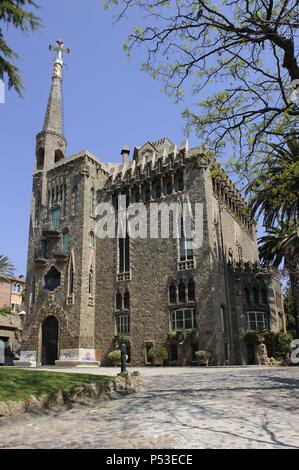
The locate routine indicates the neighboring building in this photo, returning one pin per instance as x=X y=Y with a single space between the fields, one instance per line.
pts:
x=83 y=291
x=11 y=298
x=11 y=292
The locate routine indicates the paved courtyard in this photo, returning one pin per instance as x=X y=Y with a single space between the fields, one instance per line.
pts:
x=178 y=408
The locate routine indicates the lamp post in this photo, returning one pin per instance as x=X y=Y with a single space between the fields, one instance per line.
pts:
x=22 y=316
x=123 y=359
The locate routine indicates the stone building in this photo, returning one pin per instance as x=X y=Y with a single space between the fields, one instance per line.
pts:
x=11 y=299
x=84 y=291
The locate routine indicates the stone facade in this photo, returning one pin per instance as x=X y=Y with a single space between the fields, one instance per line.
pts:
x=79 y=279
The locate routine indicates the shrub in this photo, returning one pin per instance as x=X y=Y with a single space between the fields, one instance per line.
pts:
x=278 y=344
x=203 y=355
x=114 y=357
x=158 y=353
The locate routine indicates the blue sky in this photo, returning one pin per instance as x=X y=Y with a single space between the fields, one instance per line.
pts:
x=108 y=101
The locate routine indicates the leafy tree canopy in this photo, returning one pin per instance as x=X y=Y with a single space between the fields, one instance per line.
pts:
x=14 y=13
x=245 y=49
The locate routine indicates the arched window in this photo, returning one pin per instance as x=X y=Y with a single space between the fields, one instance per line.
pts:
x=52 y=279
x=91 y=239
x=191 y=291
x=58 y=156
x=147 y=195
x=124 y=254
x=71 y=278
x=118 y=301
x=127 y=300
x=91 y=202
x=137 y=196
x=247 y=295
x=90 y=283
x=66 y=243
x=64 y=199
x=172 y=293
x=181 y=185
x=169 y=188
x=186 y=250
x=40 y=159
x=74 y=200
x=264 y=296
x=255 y=295
x=182 y=291
x=158 y=191
x=33 y=291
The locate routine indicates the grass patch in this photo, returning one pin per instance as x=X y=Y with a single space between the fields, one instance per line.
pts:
x=17 y=385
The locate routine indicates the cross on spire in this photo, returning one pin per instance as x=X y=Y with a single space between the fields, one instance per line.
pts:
x=60 y=50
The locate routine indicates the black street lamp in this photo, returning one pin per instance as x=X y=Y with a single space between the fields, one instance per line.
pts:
x=123 y=359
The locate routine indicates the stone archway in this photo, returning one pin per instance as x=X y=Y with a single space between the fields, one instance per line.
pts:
x=50 y=335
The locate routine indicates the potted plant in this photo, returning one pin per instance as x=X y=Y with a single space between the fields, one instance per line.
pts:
x=115 y=357
x=172 y=335
x=203 y=357
x=159 y=354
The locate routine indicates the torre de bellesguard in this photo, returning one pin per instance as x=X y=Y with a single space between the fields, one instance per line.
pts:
x=85 y=294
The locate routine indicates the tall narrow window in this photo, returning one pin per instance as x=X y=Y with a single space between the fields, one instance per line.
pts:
x=71 y=278
x=119 y=301
x=64 y=199
x=255 y=295
x=91 y=239
x=91 y=202
x=66 y=243
x=147 y=195
x=56 y=219
x=127 y=300
x=43 y=249
x=33 y=292
x=247 y=295
x=49 y=203
x=191 y=291
x=264 y=296
x=124 y=254
x=181 y=185
x=182 y=292
x=90 y=283
x=172 y=293
x=75 y=200
x=186 y=250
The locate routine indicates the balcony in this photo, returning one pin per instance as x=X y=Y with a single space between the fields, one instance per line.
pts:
x=60 y=257
x=40 y=260
x=52 y=231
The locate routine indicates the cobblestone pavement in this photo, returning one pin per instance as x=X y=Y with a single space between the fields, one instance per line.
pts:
x=178 y=408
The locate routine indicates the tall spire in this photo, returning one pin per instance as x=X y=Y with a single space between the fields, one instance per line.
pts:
x=54 y=115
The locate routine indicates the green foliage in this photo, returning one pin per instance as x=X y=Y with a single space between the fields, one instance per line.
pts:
x=17 y=385
x=5 y=311
x=290 y=312
x=115 y=357
x=278 y=344
x=245 y=49
x=13 y=13
x=158 y=353
x=121 y=339
x=251 y=338
x=6 y=267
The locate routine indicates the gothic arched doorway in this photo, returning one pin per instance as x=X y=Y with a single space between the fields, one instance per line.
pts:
x=50 y=331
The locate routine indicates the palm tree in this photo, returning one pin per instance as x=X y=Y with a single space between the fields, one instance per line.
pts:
x=280 y=246
x=6 y=267
x=274 y=193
